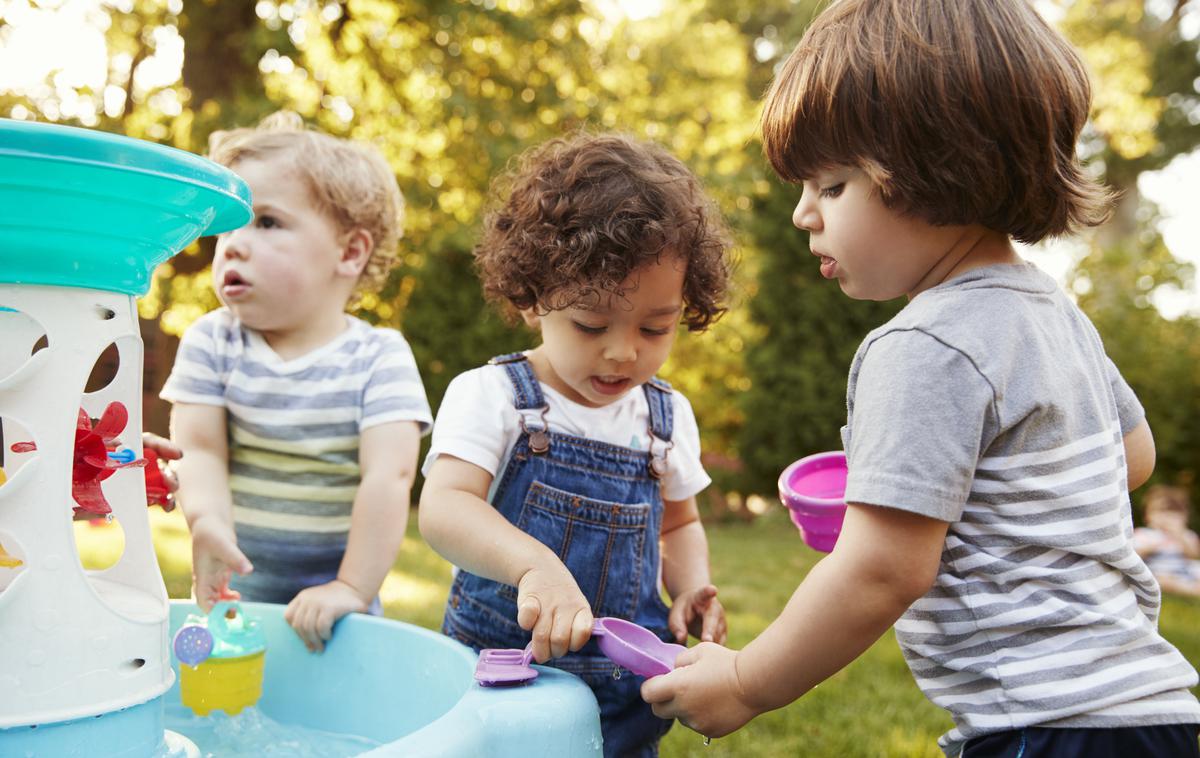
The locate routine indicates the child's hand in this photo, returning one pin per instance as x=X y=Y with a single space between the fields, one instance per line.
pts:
x=550 y=603
x=214 y=556
x=703 y=691
x=699 y=612
x=167 y=451
x=313 y=612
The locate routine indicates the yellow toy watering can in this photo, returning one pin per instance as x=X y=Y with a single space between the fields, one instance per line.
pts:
x=221 y=660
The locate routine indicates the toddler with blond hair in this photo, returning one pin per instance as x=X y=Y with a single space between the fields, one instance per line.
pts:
x=299 y=423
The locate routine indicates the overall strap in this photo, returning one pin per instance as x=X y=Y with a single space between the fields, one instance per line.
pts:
x=527 y=397
x=525 y=384
x=662 y=408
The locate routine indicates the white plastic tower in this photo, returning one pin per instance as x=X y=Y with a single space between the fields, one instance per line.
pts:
x=73 y=642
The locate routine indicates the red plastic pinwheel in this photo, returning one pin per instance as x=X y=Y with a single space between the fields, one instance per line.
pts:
x=92 y=464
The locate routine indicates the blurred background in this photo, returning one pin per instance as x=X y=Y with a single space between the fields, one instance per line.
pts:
x=450 y=90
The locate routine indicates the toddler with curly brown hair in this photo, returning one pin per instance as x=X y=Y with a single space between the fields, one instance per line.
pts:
x=562 y=481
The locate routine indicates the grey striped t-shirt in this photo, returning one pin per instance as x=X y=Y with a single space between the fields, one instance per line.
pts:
x=294 y=430
x=989 y=403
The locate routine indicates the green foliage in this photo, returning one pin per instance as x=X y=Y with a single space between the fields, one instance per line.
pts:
x=451 y=90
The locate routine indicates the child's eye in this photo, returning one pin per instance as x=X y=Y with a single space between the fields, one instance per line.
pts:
x=589 y=329
x=268 y=222
x=833 y=190
x=651 y=332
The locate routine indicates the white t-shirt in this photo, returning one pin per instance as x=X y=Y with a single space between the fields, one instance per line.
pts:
x=478 y=423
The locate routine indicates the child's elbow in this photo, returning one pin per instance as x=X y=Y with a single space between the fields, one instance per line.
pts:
x=1140 y=455
x=915 y=585
x=429 y=517
x=424 y=515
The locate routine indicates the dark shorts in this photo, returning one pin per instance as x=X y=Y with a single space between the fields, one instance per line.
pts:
x=1169 y=740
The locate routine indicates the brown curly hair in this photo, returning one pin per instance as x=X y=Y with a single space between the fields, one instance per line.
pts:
x=578 y=214
x=350 y=181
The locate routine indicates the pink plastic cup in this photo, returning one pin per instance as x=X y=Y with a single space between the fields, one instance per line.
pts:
x=813 y=489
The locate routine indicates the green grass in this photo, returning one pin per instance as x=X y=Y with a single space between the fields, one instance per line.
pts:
x=871 y=708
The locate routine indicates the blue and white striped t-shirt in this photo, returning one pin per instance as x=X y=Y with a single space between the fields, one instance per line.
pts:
x=294 y=429
x=988 y=402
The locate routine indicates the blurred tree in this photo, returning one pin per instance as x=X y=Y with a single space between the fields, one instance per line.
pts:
x=1145 y=63
x=451 y=90
x=452 y=93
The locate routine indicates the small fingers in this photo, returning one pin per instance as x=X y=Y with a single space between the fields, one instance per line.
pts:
x=541 y=641
x=658 y=691
x=567 y=627
x=713 y=629
x=705 y=595
x=306 y=628
x=677 y=622
x=165 y=448
x=323 y=632
x=529 y=612
x=687 y=657
x=298 y=614
x=581 y=628
x=170 y=479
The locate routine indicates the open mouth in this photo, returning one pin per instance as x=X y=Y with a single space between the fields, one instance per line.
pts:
x=232 y=284
x=610 y=385
x=828 y=265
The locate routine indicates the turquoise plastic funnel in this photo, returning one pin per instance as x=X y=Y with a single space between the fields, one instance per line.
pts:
x=84 y=208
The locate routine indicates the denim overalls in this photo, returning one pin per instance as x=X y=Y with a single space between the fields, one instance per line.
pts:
x=598 y=506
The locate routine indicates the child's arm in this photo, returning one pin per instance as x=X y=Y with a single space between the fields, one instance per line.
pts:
x=884 y=561
x=387 y=457
x=1139 y=454
x=203 y=473
x=458 y=522
x=685 y=570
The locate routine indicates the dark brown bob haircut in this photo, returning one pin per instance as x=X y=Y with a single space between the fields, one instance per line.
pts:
x=960 y=111
x=576 y=215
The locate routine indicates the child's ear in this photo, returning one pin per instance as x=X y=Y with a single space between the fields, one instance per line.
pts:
x=531 y=317
x=356 y=251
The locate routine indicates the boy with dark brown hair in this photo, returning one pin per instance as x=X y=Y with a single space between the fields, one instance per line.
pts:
x=990 y=441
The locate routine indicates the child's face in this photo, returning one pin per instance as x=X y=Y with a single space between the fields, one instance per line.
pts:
x=596 y=355
x=874 y=252
x=284 y=265
x=1166 y=519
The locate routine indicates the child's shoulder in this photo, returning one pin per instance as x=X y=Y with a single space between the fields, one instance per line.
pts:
x=371 y=339
x=985 y=309
x=489 y=381
x=983 y=294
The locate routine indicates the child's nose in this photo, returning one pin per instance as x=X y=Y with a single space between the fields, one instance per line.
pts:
x=805 y=215
x=233 y=244
x=620 y=349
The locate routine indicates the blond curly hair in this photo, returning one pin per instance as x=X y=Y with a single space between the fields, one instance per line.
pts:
x=349 y=181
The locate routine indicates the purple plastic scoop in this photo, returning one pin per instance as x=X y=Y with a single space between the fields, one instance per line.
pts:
x=635 y=647
x=626 y=644
x=501 y=666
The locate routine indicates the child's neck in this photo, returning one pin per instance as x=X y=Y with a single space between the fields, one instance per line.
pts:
x=301 y=340
x=976 y=248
